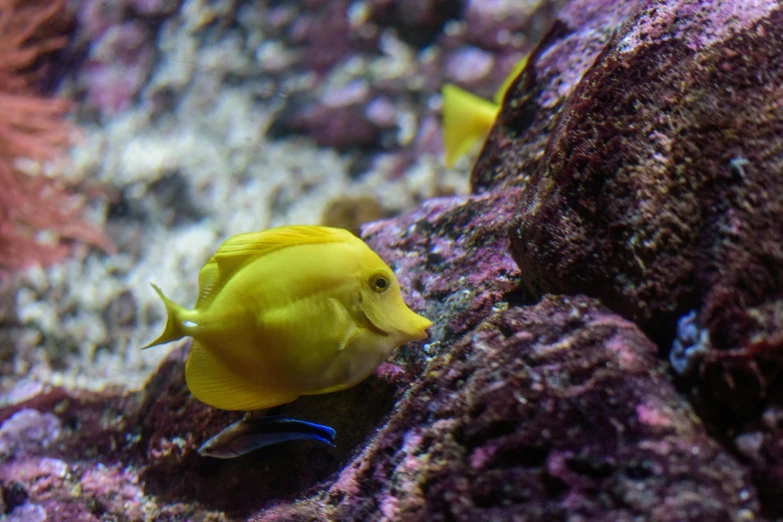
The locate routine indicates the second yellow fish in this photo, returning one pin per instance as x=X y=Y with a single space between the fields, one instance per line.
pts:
x=467 y=118
x=290 y=311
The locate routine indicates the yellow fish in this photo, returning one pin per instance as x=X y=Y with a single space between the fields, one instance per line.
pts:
x=290 y=311
x=467 y=118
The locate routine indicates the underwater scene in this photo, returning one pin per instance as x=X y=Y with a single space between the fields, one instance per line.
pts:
x=391 y=260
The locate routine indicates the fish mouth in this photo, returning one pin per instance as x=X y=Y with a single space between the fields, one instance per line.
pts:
x=417 y=333
x=420 y=332
x=418 y=336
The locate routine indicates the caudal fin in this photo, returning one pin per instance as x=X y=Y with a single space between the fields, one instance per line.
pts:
x=174 y=329
x=467 y=119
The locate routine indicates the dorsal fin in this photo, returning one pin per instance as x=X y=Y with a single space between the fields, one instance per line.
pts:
x=208 y=278
x=512 y=75
x=467 y=119
x=240 y=249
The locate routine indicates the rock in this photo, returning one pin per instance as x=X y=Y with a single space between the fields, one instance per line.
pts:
x=647 y=136
x=517 y=143
x=116 y=42
x=342 y=127
x=418 y=22
x=27 y=431
x=649 y=196
x=552 y=412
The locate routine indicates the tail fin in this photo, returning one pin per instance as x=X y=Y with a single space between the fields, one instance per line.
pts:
x=467 y=119
x=174 y=329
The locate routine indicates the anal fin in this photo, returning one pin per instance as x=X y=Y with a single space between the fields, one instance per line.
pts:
x=214 y=383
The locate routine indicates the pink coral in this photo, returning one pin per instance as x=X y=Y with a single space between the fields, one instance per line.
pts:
x=33 y=127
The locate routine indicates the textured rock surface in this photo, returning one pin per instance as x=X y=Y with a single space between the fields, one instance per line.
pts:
x=653 y=191
x=516 y=147
x=552 y=412
x=649 y=143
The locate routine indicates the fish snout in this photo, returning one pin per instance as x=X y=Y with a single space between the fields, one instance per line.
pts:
x=420 y=325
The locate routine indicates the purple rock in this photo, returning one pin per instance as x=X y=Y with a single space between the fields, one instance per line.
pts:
x=28 y=432
x=118 y=39
x=450 y=257
x=118 y=65
x=548 y=412
x=327 y=35
x=353 y=92
x=341 y=128
x=500 y=25
x=468 y=64
x=647 y=139
x=96 y=16
x=381 y=112
x=27 y=513
x=418 y=22
x=154 y=7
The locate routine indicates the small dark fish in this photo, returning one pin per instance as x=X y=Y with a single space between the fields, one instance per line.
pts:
x=250 y=434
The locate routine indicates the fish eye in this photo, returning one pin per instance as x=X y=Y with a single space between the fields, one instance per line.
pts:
x=379 y=283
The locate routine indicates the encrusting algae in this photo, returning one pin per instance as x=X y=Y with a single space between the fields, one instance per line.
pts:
x=290 y=311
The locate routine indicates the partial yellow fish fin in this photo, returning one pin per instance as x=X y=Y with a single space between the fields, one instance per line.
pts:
x=232 y=255
x=214 y=383
x=208 y=279
x=467 y=119
x=238 y=250
x=174 y=328
x=241 y=247
x=501 y=92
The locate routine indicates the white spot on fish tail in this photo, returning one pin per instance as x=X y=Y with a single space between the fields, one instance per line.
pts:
x=189 y=324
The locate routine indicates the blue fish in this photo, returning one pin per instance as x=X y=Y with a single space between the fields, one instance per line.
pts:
x=250 y=434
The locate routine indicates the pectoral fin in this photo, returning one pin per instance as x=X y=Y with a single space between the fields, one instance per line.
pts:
x=250 y=434
x=343 y=323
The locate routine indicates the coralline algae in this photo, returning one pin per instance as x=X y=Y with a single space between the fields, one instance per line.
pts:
x=549 y=412
x=647 y=169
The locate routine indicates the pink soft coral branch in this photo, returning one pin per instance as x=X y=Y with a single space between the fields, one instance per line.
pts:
x=33 y=127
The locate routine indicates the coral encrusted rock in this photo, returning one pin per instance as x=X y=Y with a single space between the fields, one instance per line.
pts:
x=648 y=137
x=653 y=190
x=553 y=412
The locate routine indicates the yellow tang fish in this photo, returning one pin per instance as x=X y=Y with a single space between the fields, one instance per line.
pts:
x=290 y=311
x=467 y=118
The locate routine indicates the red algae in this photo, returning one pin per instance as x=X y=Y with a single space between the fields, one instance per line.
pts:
x=33 y=127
